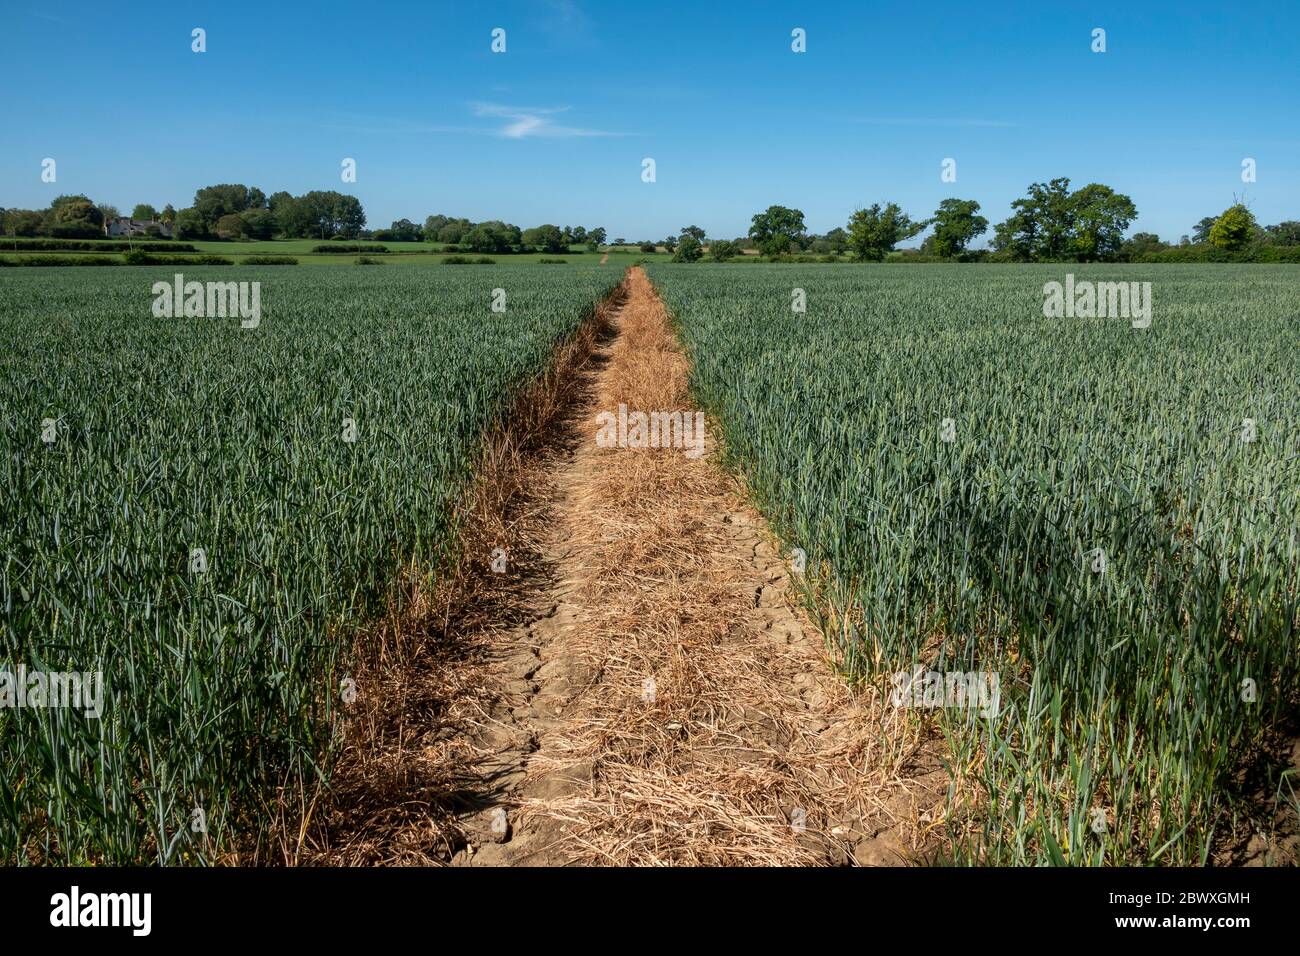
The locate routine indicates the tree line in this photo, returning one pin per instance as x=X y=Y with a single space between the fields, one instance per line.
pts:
x=1051 y=223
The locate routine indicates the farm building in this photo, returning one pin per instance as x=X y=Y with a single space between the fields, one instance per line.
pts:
x=136 y=227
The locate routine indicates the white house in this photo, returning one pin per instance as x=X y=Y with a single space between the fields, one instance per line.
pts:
x=136 y=227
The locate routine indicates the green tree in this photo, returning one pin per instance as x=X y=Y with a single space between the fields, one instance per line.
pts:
x=688 y=249
x=1142 y=243
x=213 y=202
x=145 y=212
x=669 y=243
x=1284 y=233
x=1040 y=223
x=838 y=239
x=433 y=225
x=190 y=225
x=956 y=223
x=874 y=231
x=695 y=231
x=23 y=222
x=1099 y=217
x=258 y=223
x=494 y=236
x=1201 y=232
x=546 y=238
x=1052 y=223
x=229 y=226
x=454 y=231
x=73 y=217
x=720 y=250
x=1233 y=229
x=596 y=238
x=777 y=228
x=403 y=230
x=168 y=214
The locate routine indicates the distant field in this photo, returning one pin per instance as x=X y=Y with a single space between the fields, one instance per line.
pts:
x=399 y=253
x=1137 y=686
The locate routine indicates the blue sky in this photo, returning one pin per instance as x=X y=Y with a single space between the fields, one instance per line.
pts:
x=555 y=129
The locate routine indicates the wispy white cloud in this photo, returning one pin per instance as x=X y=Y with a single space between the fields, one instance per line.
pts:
x=510 y=122
x=929 y=121
x=525 y=121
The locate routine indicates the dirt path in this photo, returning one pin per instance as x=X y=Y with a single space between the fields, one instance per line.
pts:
x=632 y=683
x=664 y=703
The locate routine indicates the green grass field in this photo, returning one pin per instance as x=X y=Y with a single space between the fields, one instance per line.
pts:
x=950 y=461
x=130 y=443
x=1134 y=697
x=398 y=253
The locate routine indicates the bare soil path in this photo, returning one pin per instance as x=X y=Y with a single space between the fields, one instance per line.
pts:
x=639 y=687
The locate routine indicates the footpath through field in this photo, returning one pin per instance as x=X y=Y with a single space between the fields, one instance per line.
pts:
x=645 y=691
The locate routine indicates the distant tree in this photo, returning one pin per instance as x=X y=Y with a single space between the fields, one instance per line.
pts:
x=145 y=212
x=578 y=236
x=776 y=228
x=73 y=217
x=1100 y=216
x=1040 y=223
x=229 y=226
x=688 y=249
x=403 y=230
x=596 y=238
x=648 y=247
x=108 y=211
x=1201 y=232
x=1141 y=243
x=168 y=214
x=1284 y=233
x=547 y=238
x=720 y=250
x=322 y=214
x=23 y=222
x=190 y=225
x=956 y=223
x=258 y=223
x=454 y=231
x=874 y=231
x=838 y=239
x=620 y=242
x=1052 y=223
x=493 y=236
x=695 y=231
x=293 y=219
x=669 y=243
x=1234 y=228
x=433 y=225
x=213 y=202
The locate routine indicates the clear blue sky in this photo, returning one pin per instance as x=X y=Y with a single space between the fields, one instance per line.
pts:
x=555 y=129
